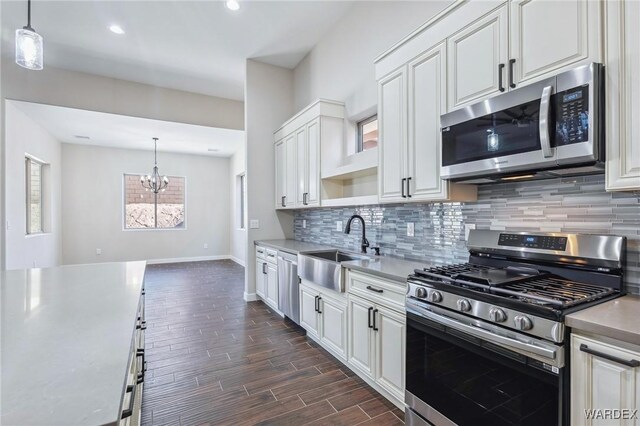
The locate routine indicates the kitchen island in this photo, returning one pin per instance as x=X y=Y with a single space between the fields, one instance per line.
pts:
x=72 y=342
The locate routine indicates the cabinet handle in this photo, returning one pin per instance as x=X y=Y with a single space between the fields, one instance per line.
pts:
x=511 y=83
x=264 y=268
x=142 y=325
x=500 y=72
x=129 y=411
x=377 y=290
x=629 y=363
x=375 y=328
x=315 y=307
x=319 y=299
x=369 y=317
x=402 y=184
x=304 y=198
x=282 y=200
x=408 y=187
x=140 y=354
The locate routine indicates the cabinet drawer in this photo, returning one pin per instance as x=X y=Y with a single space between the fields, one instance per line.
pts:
x=271 y=256
x=377 y=290
x=260 y=252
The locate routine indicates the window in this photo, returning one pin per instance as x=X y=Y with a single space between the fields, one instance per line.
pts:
x=368 y=134
x=242 y=201
x=145 y=210
x=34 y=196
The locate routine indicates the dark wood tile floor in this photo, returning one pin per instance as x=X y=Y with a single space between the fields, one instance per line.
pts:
x=214 y=359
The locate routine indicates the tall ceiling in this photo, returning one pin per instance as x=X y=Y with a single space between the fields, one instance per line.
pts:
x=197 y=46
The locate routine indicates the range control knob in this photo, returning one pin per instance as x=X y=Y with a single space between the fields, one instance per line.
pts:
x=497 y=315
x=435 y=297
x=463 y=305
x=523 y=322
x=421 y=292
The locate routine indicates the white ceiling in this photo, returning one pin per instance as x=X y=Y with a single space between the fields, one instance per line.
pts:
x=197 y=46
x=120 y=131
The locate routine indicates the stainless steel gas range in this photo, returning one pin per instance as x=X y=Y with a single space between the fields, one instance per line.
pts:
x=486 y=339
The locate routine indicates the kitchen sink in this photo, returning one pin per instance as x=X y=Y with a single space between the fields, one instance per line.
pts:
x=324 y=267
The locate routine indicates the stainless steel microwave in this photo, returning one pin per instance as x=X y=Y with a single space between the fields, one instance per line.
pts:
x=550 y=128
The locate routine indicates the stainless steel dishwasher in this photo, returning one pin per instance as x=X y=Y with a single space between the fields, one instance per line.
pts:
x=288 y=286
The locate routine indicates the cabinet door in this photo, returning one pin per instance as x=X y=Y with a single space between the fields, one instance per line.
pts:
x=272 y=285
x=302 y=159
x=427 y=101
x=477 y=58
x=622 y=95
x=308 y=314
x=260 y=278
x=281 y=173
x=392 y=128
x=361 y=345
x=390 y=350
x=547 y=36
x=600 y=383
x=313 y=163
x=290 y=172
x=333 y=321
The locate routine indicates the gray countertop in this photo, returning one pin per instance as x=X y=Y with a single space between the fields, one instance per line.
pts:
x=617 y=319
x=383 y=266
x=66 y=340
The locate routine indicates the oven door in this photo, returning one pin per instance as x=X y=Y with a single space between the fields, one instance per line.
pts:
x=508 y=133
x=456 y=373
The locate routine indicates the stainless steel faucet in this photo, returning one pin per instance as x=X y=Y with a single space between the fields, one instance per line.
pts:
x=364 y=243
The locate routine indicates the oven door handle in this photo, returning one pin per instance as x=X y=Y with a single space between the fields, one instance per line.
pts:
x=483 y=334
x=543 y=123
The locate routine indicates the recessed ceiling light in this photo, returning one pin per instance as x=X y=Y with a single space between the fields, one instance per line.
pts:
x=117 y=29
x=82 y=137
x=233 y=4
x=213 y=150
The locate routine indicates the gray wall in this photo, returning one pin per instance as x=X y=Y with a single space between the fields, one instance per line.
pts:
x=568 y=205
x=92 y=200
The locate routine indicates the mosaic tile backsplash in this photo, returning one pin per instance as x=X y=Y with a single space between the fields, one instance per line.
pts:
x=578 y=205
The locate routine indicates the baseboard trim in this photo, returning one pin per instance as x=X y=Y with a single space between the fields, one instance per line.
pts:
x=188 y=259
x=250 y=297
x=238 y=261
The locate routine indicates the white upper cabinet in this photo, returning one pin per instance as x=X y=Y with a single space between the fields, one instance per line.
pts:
x=392 y=128
x=550 y=36
x=622 y=63
x=281 y=173
x=478 y=55
x=427 y=101
x=313 y=164
x=298 y=168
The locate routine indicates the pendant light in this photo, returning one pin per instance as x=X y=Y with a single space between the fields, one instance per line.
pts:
x=29 y=48
x=154 y=181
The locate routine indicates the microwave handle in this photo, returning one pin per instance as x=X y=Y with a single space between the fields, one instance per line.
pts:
x=545 y=140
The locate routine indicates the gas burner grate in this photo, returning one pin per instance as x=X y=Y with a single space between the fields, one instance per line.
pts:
x=452 y=271
x=553 y=291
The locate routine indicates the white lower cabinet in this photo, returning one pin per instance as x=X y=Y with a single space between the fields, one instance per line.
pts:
x=308 y=310
x=605 y=382
x=361 y=342
x=272 y=285
x=323 y=313
x=390 y=350
x=261 y=277
x=376 y=344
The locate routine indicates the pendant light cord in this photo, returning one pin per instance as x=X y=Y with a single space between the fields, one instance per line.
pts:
x=28 y=27
x=155 y=151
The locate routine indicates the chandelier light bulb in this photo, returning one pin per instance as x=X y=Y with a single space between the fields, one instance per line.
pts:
x=233 y=5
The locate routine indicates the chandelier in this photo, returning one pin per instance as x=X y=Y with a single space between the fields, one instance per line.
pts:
x=29 y=49
x=154 y=181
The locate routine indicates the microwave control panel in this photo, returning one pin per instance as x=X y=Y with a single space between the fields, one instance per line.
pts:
x=543 y=242
x=572 y=116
